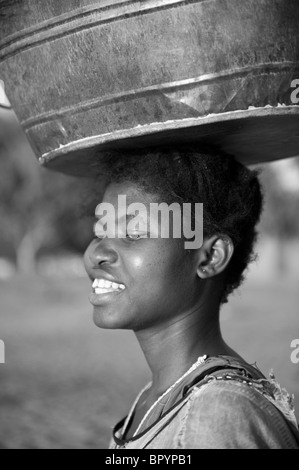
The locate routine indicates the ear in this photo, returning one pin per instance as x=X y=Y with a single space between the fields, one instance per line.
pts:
x=214 y=255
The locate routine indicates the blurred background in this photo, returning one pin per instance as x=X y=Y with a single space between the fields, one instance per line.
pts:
x=65 y=382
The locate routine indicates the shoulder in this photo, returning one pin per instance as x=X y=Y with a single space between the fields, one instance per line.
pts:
x=226 y=414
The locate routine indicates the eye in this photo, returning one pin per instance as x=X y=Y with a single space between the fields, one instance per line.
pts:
x=135 y=236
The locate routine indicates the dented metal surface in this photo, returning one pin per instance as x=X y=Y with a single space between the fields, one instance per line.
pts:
x=86 y=77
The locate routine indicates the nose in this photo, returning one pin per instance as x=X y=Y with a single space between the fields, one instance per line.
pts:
x=99 y=252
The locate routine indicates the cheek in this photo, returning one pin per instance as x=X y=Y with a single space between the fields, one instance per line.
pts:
x=144 y=268
x=86 y=259
x=137 y=262
x=161 y=266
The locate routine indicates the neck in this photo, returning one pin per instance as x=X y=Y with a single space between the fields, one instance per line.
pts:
x=170 y=349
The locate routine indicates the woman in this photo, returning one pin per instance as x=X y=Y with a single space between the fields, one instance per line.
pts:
x=202 y=393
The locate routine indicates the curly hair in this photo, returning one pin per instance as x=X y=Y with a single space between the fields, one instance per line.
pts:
x=230 y=192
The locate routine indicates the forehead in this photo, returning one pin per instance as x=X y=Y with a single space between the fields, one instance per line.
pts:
x=132 y=192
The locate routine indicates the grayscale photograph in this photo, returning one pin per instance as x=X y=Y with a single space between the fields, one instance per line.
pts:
x=149 y=231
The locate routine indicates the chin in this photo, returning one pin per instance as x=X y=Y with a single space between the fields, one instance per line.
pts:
x=110 y=320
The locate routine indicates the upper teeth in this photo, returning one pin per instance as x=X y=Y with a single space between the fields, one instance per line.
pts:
x=103 y=283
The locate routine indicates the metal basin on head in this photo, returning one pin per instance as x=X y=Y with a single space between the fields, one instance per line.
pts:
x=85 y=77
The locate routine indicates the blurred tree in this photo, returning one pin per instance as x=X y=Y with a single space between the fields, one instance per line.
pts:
x=20 y=188
x=39 y=209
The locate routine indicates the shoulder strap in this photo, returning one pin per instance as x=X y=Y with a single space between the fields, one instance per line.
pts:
x=220 y=365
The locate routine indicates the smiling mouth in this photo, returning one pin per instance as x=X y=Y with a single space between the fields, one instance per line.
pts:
x=103 y=286
x=104 y=292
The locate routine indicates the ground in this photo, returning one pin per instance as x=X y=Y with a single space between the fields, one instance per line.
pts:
x=65 y=382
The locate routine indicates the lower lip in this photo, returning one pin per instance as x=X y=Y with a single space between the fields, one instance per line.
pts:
x=99 y=299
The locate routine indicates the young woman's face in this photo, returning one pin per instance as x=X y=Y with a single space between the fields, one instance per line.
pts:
x=159 y=274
